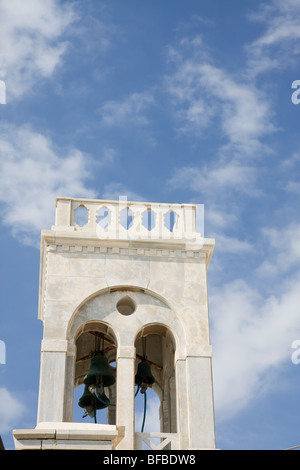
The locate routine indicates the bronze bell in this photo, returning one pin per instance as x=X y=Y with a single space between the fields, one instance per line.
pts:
x=144 y=374
x=86 y=399
x=90 y=403
x=99 y=369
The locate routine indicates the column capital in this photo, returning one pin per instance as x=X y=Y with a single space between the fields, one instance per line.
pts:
x=54 y=345
x=127 y=352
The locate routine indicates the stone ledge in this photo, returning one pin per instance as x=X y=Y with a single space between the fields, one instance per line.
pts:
x=147 y=252
x=164 y=247
x=86 y=436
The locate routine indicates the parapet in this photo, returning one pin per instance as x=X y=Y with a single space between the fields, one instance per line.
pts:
x=127 y=220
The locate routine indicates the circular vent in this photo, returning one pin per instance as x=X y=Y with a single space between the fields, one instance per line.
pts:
x=126 y=306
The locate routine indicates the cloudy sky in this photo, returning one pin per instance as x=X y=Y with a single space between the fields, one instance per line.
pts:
x=174 y=101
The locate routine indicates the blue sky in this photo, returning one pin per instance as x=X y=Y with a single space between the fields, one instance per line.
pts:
x=174 y=101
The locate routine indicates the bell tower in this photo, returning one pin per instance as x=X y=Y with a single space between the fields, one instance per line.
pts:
x=123 y=300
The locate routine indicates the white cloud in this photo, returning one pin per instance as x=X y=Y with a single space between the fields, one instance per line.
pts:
x=285 y=247
x=218 y=186
x=219 y=219
x=293 y=187
x=33 y=172
x=108 y=156
x=282 y=30
x=240 y=113
x=216 y=179
x=252 y=330
x=114 y=190
x=194 y=109
x=130 y=110
x=204 y=95
x=267 y=270
x=228 y=244
x=11 y=410
x=31 y=44
x=251 y=338
x=290 y=162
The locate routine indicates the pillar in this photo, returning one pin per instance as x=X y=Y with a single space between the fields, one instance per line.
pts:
x=52 y=381
x=182 y=404
x=200 y=403
x=125 y=395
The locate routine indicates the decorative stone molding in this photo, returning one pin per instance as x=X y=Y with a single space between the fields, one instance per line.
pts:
x=127 y=251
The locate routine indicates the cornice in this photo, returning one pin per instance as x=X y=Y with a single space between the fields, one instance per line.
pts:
x=164 y=248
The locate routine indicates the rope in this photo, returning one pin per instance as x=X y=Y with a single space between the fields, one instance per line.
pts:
x=145 y=408
x=102 y=401
x=112 y=404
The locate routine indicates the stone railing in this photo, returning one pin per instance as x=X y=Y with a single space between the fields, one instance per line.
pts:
x=129 y=220
x=166 y=441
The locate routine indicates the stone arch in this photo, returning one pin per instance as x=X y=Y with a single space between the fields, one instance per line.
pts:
x=150 y=308
x=90 y=338
x=158 y=343
x=159 y=329
x=153 y=316
x=112 y=289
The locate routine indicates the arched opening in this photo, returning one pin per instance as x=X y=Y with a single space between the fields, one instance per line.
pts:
x=155 y=345
x=95 y=374
x=81 y=215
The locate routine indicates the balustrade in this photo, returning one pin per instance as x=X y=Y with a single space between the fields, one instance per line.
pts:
x=167 y=441
x=127 y=220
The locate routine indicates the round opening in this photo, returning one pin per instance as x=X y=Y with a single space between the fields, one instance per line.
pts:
x=126 y=306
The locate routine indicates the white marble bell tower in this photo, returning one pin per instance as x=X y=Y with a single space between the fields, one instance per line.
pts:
x=132 y=277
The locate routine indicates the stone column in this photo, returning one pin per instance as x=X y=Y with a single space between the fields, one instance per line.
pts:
x=200 y=403
x=182 y=404
x=69 y=382
x=111 y=410
x=63 y=212
x=125 y=395
x=52 y=381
